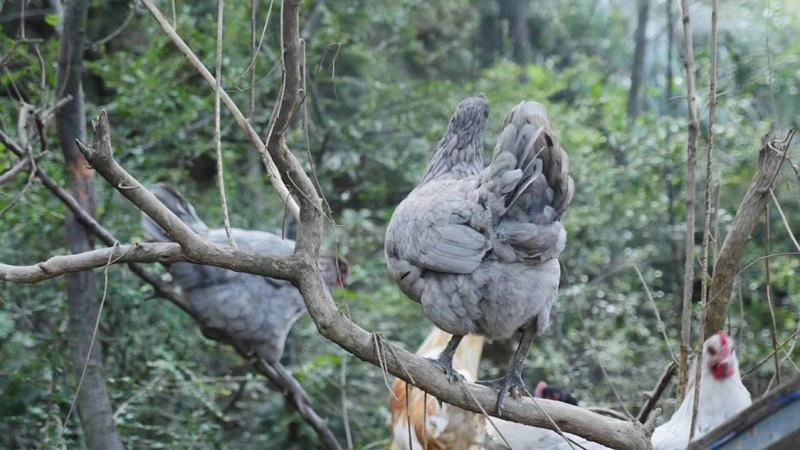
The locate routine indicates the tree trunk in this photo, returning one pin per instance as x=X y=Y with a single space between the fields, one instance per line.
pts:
x=93 y=404
x=637 y=70
x=515 y=12
x=670 y=45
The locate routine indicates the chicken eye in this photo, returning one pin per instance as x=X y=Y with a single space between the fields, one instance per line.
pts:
x=711 y=351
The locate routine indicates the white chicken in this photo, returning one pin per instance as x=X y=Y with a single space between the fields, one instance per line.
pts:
x=722 y=396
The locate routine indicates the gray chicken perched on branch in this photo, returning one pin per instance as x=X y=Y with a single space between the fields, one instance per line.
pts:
x=478 y=247
x=255 y=312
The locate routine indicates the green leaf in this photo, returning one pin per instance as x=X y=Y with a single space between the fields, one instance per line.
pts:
x=52 y=19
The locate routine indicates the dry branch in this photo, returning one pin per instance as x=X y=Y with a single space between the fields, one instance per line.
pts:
x=11 y=173
x=159 y=287
x=712 y=112
x=61 y=265
x=691 y=163
x=241 y=120
x=770 y=159
x=193 y=247
x=654 y=395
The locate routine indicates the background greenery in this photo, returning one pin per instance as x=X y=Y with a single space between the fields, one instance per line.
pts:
x=384 y=76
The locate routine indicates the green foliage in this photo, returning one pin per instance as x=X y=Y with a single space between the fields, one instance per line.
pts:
x=383 y=78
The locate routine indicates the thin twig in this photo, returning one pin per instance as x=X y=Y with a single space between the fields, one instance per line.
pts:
x=691 y=162
x=217 y=132
x=91 y=341
x=602 y=367
x=770 y=300
x=767 y=358
x=654 y=395
x=790 y=351
x=660 y=323
x=140 y=393
x=118 y=30
x=28 y=183
x=556 y=428
x=345 y=416
x=377 y=339
x=784 y=219
x=253 y=54
x=408 y=415
x=306 y=134
x=257 y=48
x=485 y=414
x=425 y=419
x=712 y=112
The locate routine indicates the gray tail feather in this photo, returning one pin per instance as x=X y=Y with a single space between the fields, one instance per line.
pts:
x=542 y=165
x=175 y=202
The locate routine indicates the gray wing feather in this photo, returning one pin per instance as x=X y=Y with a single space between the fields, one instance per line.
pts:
x=451 y=248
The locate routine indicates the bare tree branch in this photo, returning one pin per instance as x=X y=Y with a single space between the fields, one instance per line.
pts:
x=770 y=301
x=770 y=159
x=11 y=173
x=691 y=163
x=654 y=395
x=60 y=265
x=194 y=248
x=160 y=288
x=241 y=120
x=707 y=210
x=217 y=125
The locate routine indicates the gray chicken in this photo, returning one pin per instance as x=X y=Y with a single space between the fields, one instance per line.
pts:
x=254 y=313
x=478 y=247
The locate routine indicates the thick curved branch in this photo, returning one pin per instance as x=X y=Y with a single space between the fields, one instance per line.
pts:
x=194 y=248
x=770 y=160
x=60 y=265
x=422 y=374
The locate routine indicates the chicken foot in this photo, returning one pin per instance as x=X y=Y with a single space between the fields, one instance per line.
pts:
x=445 y=360
x=511 y=383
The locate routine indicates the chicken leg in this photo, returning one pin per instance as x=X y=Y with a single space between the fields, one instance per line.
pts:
x=512 y=383
x=445 y=360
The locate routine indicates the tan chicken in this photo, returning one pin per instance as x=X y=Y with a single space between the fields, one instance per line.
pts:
x=445 y=426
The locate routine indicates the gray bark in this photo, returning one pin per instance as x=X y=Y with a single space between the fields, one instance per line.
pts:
x=93 y=403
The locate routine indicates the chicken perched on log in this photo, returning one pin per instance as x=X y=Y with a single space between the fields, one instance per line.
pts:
x=722 y=396
x=478 y=247
x=434 y=425
x=253 y=312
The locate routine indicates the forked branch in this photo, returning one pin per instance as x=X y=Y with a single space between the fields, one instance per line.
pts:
x=771 y=156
